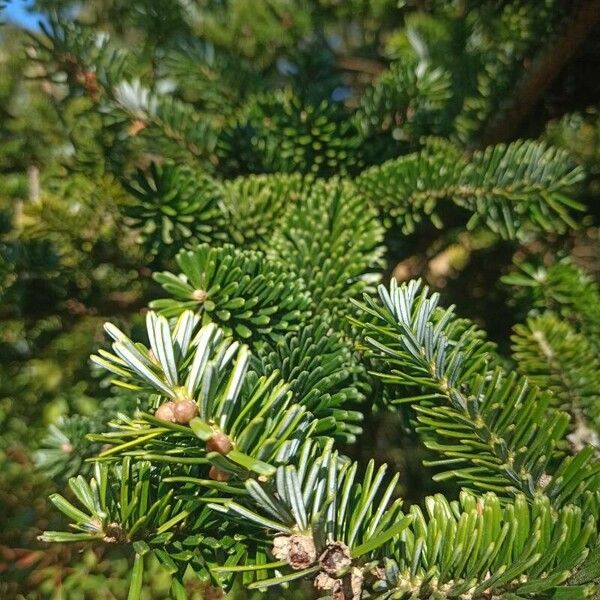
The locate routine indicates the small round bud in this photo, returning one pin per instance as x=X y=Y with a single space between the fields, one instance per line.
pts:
x=166 y=412
x=220 y=443
x=218 y=475
x=114 y=534
x=185 y=411
x=199 y=295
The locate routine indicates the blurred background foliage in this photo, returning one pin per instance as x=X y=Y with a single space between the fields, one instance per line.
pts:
x=230 y=88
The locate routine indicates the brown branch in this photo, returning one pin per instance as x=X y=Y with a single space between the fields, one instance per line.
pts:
x=542 y=73
x=360 y=65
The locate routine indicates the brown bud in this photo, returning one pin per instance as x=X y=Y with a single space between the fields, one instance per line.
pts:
x=166 y=412
x=185 y=411
x=281 y=547
x=218 y=475
x=136 y=126
x=324 y=582
x=336 y=559
x=91 y=85
x=348 y=587
x=114 y=534
x=302 y=551
x=297 y=550
x=220 y=443
x=212 y=593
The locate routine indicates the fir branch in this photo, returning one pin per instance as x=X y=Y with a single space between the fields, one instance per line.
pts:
x=333 y=241
x=282 y=132
x=494 y=429
x=109 y=76
x=136 y=106
x=64 y=450
x=199 y=385
x=322 y=373
x=90 y=61
x=326 y=521
x=240 y=290
x=565 y=289
x=553 y=356
x=175 y=204
x=134 y=504
x=511 y=189
x=124 y=508
x=256 y=205
x=479 y=548
x=407 y=100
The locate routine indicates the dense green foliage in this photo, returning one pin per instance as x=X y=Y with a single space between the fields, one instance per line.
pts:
x=256 y=217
